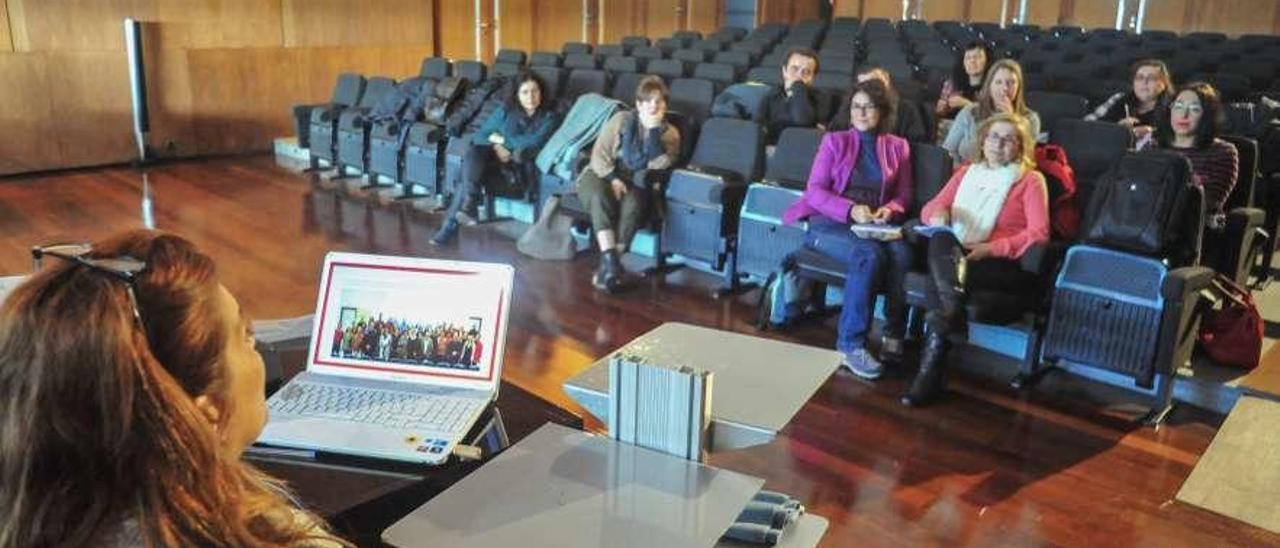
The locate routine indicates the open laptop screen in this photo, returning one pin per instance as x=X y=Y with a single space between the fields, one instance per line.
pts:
x=411 y=319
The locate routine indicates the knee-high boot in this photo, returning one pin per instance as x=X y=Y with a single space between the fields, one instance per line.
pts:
x=931 y=380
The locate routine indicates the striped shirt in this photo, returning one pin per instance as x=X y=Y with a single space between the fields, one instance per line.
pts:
x=1214 y=168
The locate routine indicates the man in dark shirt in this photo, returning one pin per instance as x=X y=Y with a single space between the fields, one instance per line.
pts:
x=795 y=104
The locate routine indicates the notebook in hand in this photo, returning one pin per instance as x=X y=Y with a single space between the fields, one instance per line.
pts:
x=874 y=231
x=405 y=355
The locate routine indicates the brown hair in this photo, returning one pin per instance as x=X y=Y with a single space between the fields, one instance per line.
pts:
x=986 y=107
x=99 y=429
x=651 y=87
x=884 y=100
x=1026 y=143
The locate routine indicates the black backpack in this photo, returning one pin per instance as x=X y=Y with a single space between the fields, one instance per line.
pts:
x=473 y=102
x=1147 y=204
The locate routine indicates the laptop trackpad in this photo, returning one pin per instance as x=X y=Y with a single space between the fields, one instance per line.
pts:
x=357 y=439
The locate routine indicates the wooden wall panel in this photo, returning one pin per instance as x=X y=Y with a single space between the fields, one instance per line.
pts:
x=705 y=15
x=559 y=21
x=988 y=10
x=93 y=118
x=847 y=8
x=1235 y=17
x=359 y=23
x=27 y=114
x=241 y=98
x=661 y=18
x=1165 y=15
x=1045 y=13
x=1092 y=14
x=456 y=28
x=889 y=9
x=96 y=24
x=942 y=11
x=619 y=18
x=6 y=42
x=516 y=20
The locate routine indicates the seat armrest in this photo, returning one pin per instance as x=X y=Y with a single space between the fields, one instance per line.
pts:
x=909 y=231
x=1183 y=282
x=1246 y=217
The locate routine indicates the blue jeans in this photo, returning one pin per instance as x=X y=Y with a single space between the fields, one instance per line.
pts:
x=868 y=263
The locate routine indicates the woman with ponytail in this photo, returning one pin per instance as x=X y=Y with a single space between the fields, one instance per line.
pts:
x=129 y=387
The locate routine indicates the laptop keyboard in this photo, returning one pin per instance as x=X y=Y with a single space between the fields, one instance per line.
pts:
x=372 y=406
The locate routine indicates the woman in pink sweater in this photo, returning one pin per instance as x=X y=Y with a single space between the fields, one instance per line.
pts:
x=994 y=209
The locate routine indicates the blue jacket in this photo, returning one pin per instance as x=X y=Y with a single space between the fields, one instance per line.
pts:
x=559 y=156
x=520 y=132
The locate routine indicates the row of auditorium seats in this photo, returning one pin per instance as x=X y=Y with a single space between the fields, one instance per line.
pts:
x=724 y=206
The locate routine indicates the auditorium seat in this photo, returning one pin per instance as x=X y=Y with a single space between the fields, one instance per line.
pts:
x=553 y=78
x=616 y=65
x=668 y=69
x=545 y=59
x=720 y=74
x=740 y=60
x=1092 y=148
x=1051 y=107
x=472 y=71
x=354 y=127
x=612 y=50
x=646 y=52
x=435 y=68
x=581 y=61
x=763 y=241
x=704 y=200
x=571 y=48
x=633 y=42
x=624 y=86
x=317 y=123
x=765 y=75
x=692 y=97
x=580 y=82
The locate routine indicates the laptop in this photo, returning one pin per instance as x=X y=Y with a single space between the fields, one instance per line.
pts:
x=405 y=355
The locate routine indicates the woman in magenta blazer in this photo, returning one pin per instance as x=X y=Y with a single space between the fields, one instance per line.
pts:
x=862 y=176
x=989 y=214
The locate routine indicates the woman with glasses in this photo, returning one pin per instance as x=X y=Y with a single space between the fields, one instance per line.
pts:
x=988 y=215
x=130 y=387
x=1138 y=108
x=1002 y=93
x=861 y=176
x=505 y=146
x=1191 y=126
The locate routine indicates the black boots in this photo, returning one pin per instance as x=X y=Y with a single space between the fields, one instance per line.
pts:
x=931 y=380
x=608 y=276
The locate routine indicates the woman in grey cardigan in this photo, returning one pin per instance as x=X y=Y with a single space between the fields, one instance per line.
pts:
x=1002 y=92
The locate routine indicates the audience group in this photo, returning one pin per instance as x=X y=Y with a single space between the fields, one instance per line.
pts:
x=399 y=341
x=134 y=435
x=994 y=207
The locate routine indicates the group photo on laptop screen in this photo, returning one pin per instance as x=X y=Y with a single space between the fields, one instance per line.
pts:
x=442 y=320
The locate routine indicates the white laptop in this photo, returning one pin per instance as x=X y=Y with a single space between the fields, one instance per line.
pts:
x=405 y=355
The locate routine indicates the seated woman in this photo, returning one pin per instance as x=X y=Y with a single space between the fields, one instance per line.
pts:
x=961 y=89
x=507 y=141
x=631 y=154
x=1138 y=108
x=1191 y=127
x=1001 y=93
x=130 y=433
x=862 y=175
x=995 y=209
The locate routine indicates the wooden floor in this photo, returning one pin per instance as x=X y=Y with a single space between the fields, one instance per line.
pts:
x=986 y=467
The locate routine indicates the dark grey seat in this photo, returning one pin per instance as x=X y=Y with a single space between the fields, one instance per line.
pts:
x=436 y=68
x=316 y=124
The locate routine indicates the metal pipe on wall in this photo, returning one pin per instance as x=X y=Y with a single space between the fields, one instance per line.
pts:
x=137 y=85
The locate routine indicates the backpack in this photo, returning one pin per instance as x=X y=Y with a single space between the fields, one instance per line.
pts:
x=1142 y=205
x=742 y=101
x=1064 y=211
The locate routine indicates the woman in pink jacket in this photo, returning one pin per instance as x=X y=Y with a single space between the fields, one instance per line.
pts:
x=862 y=176
x=989 y=213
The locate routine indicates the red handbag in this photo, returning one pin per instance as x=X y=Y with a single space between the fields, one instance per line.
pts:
x=1231 y=334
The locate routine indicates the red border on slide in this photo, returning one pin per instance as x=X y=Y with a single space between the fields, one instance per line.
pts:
x=493 y=355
